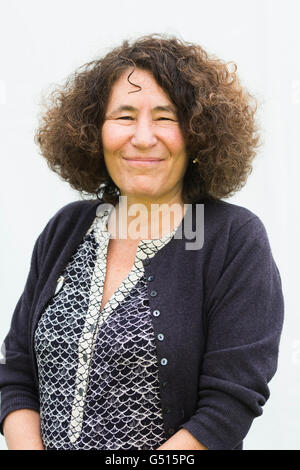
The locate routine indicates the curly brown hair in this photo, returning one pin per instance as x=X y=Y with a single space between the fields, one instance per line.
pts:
x=215 y=112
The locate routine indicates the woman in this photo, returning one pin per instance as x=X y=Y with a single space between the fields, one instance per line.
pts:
x=127 y=336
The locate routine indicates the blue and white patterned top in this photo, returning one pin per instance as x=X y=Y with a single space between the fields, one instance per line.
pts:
x=98 y=373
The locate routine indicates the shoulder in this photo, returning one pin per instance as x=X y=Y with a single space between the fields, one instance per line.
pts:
x=236 y=244
x=69 y=220
x=232 y=219
x=230 y=228
x=75 y=209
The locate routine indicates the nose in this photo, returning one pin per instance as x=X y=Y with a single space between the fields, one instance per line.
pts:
x=143 y=136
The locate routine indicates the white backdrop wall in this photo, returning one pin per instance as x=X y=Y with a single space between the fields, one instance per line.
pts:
x=42 y=42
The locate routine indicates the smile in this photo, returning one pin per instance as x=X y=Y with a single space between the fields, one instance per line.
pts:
x=143 y=163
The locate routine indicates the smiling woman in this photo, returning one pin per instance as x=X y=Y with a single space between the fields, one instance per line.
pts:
x=144 y=341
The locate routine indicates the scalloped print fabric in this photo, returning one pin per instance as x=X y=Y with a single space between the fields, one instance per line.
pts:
x=98 y=372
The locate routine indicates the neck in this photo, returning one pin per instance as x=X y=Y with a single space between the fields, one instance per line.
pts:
x=139 y=218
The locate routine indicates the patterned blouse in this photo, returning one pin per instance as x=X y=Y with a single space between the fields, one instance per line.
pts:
x=98 y=373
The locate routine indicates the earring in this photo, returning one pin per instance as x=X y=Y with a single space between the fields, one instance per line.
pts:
x=194 y=161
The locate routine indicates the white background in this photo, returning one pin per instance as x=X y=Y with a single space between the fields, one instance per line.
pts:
x=43 y=41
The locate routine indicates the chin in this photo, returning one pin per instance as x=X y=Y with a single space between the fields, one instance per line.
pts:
x=141 y=192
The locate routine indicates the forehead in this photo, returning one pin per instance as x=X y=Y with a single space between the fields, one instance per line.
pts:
x=140 y=87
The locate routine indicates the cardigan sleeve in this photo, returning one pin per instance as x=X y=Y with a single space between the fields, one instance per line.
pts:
x=16 y=375
x=244 y=314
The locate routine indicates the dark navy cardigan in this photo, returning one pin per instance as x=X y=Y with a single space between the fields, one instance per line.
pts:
x=221 y=313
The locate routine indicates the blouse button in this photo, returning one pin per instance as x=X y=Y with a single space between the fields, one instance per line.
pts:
x=85 y=357
x=153 y=293
x=156 y=313
x=160 y=337
x=150 y=278
x=164 y=361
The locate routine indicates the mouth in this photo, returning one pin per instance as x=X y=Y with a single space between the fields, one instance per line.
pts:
x=143 y=162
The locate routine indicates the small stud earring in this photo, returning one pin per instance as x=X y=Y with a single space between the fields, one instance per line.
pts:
x=194 y=161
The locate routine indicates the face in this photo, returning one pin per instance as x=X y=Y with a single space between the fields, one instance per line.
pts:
x=144 y=149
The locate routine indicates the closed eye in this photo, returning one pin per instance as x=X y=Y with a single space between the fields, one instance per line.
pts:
x=158 y=119
x=125 y=117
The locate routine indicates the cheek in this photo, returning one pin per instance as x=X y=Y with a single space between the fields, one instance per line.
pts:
x=113 y=137
x=174 y=140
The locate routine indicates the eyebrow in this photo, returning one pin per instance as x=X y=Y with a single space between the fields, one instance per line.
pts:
x=166 y=108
